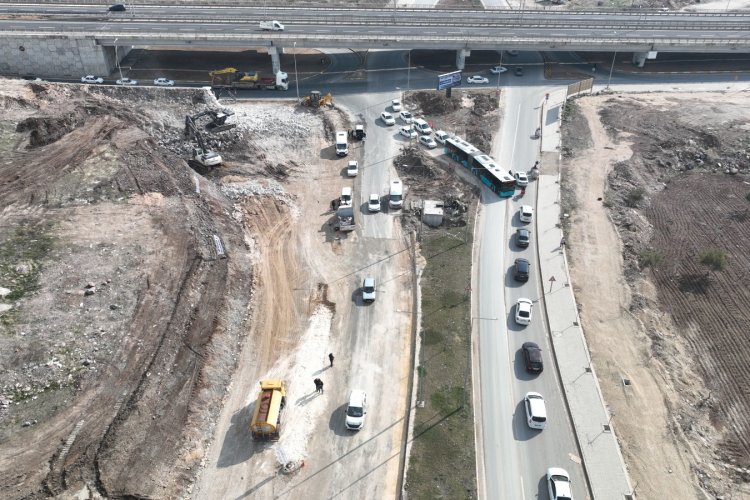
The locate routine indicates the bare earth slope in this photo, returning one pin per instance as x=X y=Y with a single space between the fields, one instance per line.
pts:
x=666 y=339
x=118 y=297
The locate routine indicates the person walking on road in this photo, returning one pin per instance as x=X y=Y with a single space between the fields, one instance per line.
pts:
x=320 y=382
x=318 y=385
x=330 y=358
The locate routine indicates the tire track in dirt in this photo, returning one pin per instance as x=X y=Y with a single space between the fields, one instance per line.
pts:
x=696 y=213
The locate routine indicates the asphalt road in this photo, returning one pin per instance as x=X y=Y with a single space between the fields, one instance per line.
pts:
x=515 y=456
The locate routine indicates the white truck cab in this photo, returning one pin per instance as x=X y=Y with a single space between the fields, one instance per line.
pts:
x=396 y=194
x=342 y=146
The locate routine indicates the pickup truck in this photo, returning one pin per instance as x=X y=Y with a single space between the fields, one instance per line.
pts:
x=271 y=26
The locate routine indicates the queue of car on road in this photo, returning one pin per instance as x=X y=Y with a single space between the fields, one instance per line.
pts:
x=557 y=479
x=127 y=82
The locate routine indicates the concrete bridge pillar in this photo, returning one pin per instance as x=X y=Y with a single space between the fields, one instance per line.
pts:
x=461 y=55
x=275 y=60
x=639 y=58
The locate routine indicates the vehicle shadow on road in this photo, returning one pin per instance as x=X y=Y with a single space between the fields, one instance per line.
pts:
x=521 y=430
x=336 y=422
x=238 y=445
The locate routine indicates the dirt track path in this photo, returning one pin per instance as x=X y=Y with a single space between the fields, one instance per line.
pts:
x=307 y=304
x=618 y=344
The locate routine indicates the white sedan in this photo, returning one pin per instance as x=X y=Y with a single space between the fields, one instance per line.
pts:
x=477 y=79
x=396 y=105
x=373 y=205
x=163 y=82
x=406 y=117
x=523 y=311
x=91 y=79
x=387 y=118
x=428 y=141
x=496 y=70
x=126 y=81
x=408 y=132
x=522 y=179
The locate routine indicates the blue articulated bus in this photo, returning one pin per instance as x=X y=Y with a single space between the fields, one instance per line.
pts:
x=481 y=165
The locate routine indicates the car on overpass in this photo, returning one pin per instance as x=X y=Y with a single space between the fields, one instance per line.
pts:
x=497 y=70
x=478 y=79
x=518 y=71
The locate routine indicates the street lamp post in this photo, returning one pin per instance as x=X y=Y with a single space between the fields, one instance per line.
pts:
x=117 y=60
x=611 y=68
x=296 y=80
x=408 y=71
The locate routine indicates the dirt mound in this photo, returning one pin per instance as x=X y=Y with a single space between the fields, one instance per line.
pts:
x=43 y=131
x=435 y=103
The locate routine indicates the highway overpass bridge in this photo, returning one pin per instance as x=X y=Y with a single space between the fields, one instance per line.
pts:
x=70 y=40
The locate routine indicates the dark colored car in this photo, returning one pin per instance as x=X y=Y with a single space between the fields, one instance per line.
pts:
x=118 y=7
x=518 y=71
x=532 y=357
x=523 y=237
x=521 y=270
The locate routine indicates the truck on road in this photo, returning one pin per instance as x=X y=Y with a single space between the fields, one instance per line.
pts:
x=345 y=219
x=342 y=146
x=235 y=79
x=266 y=422
x=271 y=26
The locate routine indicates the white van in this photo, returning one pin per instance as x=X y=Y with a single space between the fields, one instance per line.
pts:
x=342 y=146
x=536 y=411
x=271 y=26
x=346 y=197
x=396 y=195
x=355 y=410
x=422 y=126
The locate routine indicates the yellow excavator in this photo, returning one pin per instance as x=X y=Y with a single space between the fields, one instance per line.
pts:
x=314 y=100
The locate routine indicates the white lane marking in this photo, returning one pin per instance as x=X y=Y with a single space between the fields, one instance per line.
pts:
x=523 y=492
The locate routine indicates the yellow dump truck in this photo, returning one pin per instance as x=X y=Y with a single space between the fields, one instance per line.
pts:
x=266 y=423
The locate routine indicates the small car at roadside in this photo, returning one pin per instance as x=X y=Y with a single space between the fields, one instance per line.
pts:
x=373 y=205
x=477 y=79
x=428 y=141
x=164 y=82
x=387 y=118
x=92 y=79
x=408 y=132
x=126 y=81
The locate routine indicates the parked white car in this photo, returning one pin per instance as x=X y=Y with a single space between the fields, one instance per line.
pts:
x=126 y=81
x=163 y=82
x=91 y=79
x=406 y=117
x=373 y=205
x=356 y=410
x=387 y=118
x=408 y=131
x=368 y=290
x=496 y=70
x=441 y=136
x=521 y=179
x=396 y=105
x=352 y=169
x=526 y=213
x=523 y=311
x=477 y=79
x=428 y=141
x=422 y=126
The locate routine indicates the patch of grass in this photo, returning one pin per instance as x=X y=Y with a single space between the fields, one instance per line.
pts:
x=634 y=197
x=21 y=256
x=715 y=260
x=649 y=258
x=442 y=461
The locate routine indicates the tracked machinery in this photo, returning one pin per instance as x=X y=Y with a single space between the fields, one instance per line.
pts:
x=202 y=156
x=218 y=121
